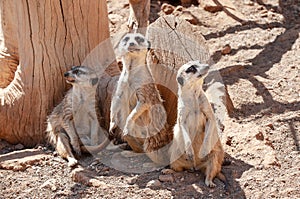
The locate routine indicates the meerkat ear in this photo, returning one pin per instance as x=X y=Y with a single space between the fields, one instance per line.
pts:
x=149 y=45
x=180 y=80
x=94 y=81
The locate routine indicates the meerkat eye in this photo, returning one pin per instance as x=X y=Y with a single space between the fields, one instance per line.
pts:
x=192 y=69
x=139 y=39
x=78 y=72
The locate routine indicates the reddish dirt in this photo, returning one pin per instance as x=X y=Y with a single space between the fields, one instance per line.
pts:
x=262 y=72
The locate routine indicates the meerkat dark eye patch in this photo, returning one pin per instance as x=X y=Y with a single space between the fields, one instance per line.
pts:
x=139 y=39
x=180 y=80
x=75 y=68
x=192 y=69
x=126 y=39
x=78 y=72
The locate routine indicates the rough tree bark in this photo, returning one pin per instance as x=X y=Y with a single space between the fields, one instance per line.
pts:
x=139 y=15
x=39 y=40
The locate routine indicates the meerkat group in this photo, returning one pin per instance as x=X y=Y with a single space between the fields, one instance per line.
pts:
x=137 y=109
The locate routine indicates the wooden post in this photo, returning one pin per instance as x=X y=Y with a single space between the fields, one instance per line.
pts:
x=139 y=15
x=43 y=39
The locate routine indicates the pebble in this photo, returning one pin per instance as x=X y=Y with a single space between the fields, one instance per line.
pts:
x=229 y=140
x=213 y=9
x=166 y=178
x=190 y=18
x=132 y=181
x=226 y=49
x=259 y=136
x=167 y=171
x=167 y=8
x=271 y=126
x=49 y=184
x=153 y=184
x=19 y=147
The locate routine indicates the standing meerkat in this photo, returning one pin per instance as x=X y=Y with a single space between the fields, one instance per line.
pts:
x=196 y=143
x=73 y=124
x=136 y=106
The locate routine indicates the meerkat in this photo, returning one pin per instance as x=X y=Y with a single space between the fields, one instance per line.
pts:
x=73 y=124
x=196 y=143
x=136 y=107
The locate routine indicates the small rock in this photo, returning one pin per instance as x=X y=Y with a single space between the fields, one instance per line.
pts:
x=153 y=184
x=167 y=8
x=166 y=178
x=250 y=3
x=19 y=147
x=97 y=183
x=167 y=171
x=86 y=177
x=226 y=49
x=229 y=140
x=271 y=126
x=115 y=18
x=213 y=9
x=189 y=17
x=259 y=136
x=132 y=181
x=49 y=184
x=178 y=9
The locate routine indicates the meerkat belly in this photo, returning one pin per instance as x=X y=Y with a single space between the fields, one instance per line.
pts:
x=83 y=122
x=195 y=125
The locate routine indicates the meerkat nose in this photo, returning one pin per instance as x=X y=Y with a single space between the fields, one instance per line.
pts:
x=131 y=44
x=66 y=74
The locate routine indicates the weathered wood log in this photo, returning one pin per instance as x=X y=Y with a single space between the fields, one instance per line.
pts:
x=44 y=39
x=139 y=15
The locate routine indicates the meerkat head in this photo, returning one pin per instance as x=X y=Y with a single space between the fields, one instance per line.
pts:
x=133 y=43
x=192 y=72
x=82 y=76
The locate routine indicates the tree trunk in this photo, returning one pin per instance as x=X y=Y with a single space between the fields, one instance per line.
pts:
x=40 y=40
x=139 y=15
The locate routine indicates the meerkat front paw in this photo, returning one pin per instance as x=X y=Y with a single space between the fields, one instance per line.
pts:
x=72 y=162
x=112 y=127
x=125 y=132
x=127 y=128
x=209 y=183
x=76 y=148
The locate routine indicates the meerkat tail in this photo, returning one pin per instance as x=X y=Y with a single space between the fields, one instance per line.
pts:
x=223 y=178
x=95 y=149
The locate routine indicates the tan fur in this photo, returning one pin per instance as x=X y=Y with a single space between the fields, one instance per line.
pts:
x=196 y=142
x=136 y=106
x=73 y=124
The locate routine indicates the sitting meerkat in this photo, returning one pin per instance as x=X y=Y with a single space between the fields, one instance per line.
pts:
x=196 y=143
x=73 y=123
x=136 y=106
